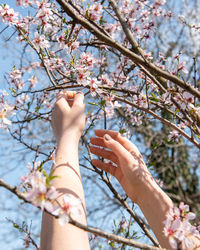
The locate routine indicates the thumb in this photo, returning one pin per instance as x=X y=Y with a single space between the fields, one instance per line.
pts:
x=117 y=148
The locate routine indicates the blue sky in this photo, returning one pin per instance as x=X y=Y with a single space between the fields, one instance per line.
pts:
x=9 y=56
x=10 y=168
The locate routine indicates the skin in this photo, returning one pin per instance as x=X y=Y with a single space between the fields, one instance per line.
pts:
x=68 y=122
x=126 y=164
x=132 y=173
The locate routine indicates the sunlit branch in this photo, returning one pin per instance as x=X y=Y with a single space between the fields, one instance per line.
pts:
x=95 y=231
x=163 y=75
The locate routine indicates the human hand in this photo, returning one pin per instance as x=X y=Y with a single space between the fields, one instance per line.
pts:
x=130 y=169
x=68 y=118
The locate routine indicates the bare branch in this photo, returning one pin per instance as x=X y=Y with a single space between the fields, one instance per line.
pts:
x=93 y=230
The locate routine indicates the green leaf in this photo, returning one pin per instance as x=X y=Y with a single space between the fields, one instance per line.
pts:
x=112 y=244
x=86 y=14
x=93 y=103
x=37 y=109
x=15 y=225
x=155 y=145
x=49 y=179
x=28 y=104
x=102 y=21
x=44 y=173
x=40 y=168
x=122 y=131
x=66 y=33
x=154 y=98
x=102 y=103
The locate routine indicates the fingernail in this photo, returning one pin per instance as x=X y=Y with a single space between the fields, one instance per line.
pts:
x=107 y=137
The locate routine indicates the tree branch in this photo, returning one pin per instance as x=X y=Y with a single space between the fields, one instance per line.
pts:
x=93 y=230
x=157 y=72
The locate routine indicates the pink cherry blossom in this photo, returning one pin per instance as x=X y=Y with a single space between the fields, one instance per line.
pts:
x=71 y=206
x=23 y=3
x=178 y=228
x=94 y=84
x=170 y=231
x=109 y=112
x=83 y=76
x=141 y=100
x=86 y=59
x=5 y=111
x=95 y=11
x=40 y=41
x=174 y=135
x=123 y=223
x=41 y=197
x=33 y=81
x=16 y=78
x=113 y=29
x=8 y=14
x=37 y=191
x=192 y=108
x=22 y=100
x=105 y=80
x=181 y=66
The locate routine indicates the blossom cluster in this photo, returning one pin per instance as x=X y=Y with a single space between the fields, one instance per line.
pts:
x=178 y=229
x=48 y=29
x=37 y=191
x=6 y=110
x=8 y=14
x=41 y=193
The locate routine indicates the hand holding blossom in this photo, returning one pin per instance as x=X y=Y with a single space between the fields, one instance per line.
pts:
x=68 y=116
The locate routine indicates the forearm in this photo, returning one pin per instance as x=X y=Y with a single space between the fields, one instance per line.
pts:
x=155 y=205
x=68 y=182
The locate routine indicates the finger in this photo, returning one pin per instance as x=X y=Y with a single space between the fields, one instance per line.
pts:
x=104 y=153
x=78 y=99
x=107 y=167
x=61 y=102
x=120 y=138
x=69 y=95
x=118 y=149
x=97 y=141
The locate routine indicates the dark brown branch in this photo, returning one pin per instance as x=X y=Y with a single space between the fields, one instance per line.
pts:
x=136 y=48
x=157 y=72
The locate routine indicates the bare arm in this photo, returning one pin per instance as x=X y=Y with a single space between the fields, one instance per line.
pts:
x=68 y=121
x=132 y=173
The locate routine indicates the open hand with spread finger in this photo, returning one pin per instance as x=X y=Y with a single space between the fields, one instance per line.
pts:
x=129 y=167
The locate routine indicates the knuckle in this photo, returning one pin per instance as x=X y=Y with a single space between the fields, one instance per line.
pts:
x=57 y=103
x=118 y=136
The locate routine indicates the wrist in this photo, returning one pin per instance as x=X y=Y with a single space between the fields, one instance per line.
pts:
x=69 y=137
x=151 y=192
